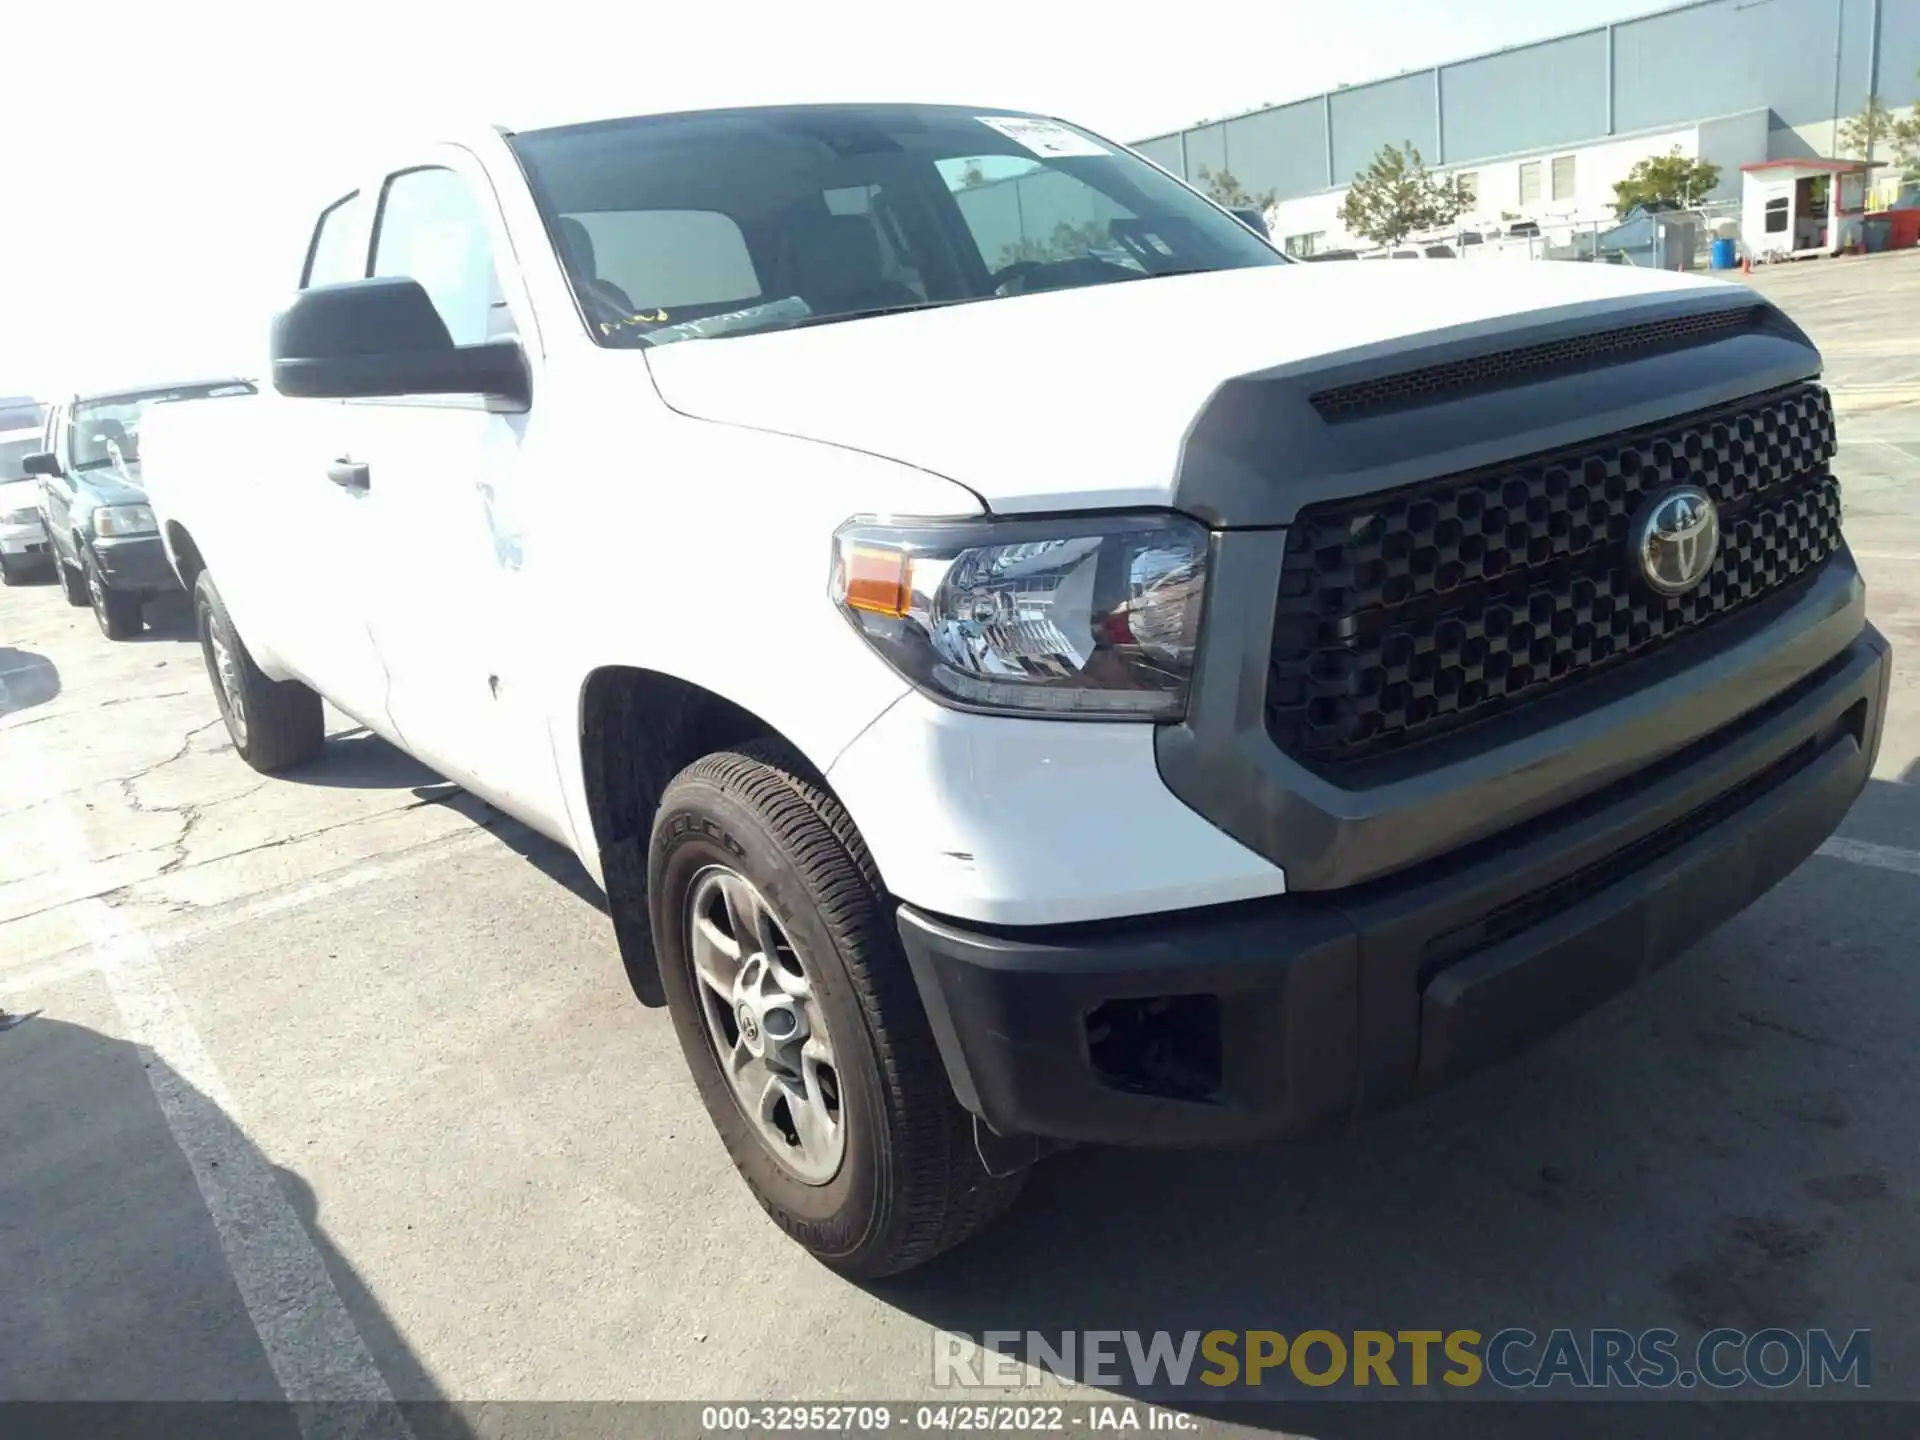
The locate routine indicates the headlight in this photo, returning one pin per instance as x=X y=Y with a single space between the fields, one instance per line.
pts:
x=25 y=515
x=123 y=520
x=1090 y=618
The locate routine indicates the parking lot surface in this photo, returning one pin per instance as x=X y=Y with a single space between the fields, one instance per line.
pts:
x=334 y=1086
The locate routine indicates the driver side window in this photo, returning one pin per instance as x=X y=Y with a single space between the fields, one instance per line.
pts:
x=430 y=229
x=1020 y=211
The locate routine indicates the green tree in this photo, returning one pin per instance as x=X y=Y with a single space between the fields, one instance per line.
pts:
x=1671 y=178
x=1397 y=196
x=1223 y=189
x=972 y=177
x=1903 y=136
x=1866 y=133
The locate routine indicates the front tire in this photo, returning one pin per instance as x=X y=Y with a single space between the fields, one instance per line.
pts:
x=8 y=575
x=274 y=724
x=74 y=583
x=780 y=963
x=118 y=611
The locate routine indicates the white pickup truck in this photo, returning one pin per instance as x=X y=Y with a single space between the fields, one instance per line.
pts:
x=1026 y=662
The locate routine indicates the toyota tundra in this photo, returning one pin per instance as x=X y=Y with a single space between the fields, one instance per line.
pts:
x=1027 y=662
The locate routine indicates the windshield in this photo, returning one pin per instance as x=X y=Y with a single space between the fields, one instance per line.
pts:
x=686 y=227
x=109 y=426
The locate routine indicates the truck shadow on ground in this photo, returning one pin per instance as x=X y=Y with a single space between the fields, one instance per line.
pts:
x=1729 y=1143
x=169 y=617
x=118 y=1285
x=556 y=862
x=26 y=679
x=358 y=759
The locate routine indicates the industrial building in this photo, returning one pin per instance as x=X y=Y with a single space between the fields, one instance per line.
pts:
x=1541 y=132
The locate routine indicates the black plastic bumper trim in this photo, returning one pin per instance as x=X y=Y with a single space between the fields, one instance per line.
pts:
x=1331 y=1004
x=134 y=562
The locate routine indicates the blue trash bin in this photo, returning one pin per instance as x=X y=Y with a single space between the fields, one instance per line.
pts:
x=1723 y=258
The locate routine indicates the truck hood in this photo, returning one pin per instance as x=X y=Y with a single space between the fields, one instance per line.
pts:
x=1081 y=398
x=17 y=495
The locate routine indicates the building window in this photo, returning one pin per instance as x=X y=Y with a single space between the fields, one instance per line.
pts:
x=1530 y=183
x=1303 y=246
x=1469 y=183
x=1563 y=177
x=1777 y=215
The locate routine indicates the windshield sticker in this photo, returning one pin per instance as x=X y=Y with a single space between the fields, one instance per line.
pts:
x=754 y=317
x=1046 y=138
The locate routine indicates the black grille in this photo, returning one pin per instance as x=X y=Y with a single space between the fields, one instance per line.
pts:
x=1410 y=613
x=1410 y=387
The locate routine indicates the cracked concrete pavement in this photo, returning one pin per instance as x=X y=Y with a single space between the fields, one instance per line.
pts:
x=173 y=822
x=398 y=1021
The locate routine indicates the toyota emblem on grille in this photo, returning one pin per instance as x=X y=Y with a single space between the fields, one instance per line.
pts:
x=1675 y=538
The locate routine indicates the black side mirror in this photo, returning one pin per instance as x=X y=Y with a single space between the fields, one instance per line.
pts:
x=364 y=339
x=1255 y=221
x=42 y=462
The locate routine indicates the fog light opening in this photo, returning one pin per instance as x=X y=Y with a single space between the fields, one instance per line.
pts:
x=1164 y=1045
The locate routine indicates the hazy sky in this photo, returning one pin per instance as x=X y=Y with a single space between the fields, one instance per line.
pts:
x=164 y=162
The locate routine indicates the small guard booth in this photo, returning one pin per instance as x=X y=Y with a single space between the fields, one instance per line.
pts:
x=1795 y=208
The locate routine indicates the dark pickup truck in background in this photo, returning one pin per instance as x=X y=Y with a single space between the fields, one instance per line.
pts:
x=105 y=544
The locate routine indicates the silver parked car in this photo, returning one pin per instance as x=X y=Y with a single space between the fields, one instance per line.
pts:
x=25 y=548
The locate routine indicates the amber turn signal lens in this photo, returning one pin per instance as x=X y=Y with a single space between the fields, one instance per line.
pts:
x=878 y=581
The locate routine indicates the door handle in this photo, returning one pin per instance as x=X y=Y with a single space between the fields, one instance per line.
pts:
x=349 y=474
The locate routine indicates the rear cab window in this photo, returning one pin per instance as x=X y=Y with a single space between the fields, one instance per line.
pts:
x=673 y=257
x=699 y=226
x=1021 y=214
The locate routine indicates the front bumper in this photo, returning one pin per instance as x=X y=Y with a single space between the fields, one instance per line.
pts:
x=1291 y=1014
x=134 y=562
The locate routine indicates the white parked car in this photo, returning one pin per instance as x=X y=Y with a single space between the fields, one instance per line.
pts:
x=24 y=547
x=1014 y=695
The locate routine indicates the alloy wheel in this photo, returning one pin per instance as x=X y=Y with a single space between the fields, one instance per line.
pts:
x=226 y=674
x=766 y=1024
